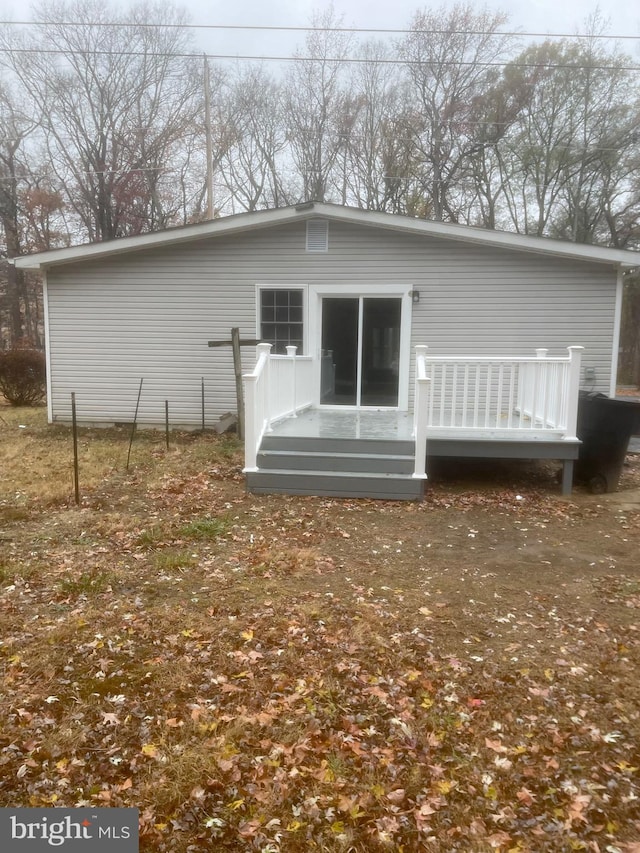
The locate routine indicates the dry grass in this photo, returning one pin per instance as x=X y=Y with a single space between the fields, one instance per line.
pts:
x=47 y=476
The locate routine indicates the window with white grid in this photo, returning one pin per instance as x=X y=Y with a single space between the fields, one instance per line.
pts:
x=282 y=318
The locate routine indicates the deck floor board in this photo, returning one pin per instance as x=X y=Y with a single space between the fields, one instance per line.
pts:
x=394 y=425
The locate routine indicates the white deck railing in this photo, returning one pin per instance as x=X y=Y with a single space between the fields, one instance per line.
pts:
x=538 y=395
x=277 y=387
x=421 y=412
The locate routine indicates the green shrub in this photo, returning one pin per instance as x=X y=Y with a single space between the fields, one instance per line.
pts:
x=23 y=376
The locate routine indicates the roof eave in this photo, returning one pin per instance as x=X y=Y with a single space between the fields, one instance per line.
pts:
x=167 y=237
x=618 y=258
x=496 y=239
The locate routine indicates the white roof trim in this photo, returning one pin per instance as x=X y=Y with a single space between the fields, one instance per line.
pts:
x=267 y=218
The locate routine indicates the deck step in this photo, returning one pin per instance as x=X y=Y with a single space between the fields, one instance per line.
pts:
x=336 y=466
x=328 y=444
x=335 y=484
x=374 y=463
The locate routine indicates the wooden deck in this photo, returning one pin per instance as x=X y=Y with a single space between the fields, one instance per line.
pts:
x=363 y=453
x=497 y=408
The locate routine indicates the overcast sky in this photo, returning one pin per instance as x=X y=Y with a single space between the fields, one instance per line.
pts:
x=545 y=16
x=541 y=15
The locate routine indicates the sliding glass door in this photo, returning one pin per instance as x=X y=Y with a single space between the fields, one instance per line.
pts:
x=360 y=351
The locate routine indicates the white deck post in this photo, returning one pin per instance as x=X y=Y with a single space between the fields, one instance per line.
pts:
x=266 y=384
x=291 y=352
x=250 y=423
x=256 y=415
x=421 y=352
x=575 y=360
x=540 y=390
x=420 y=414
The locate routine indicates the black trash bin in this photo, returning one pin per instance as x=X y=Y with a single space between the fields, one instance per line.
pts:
x=605 y=426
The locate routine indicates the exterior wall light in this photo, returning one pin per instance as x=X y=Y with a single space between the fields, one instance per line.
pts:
x=415 y=296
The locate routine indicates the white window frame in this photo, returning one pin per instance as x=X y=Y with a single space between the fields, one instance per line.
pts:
x=305 y=309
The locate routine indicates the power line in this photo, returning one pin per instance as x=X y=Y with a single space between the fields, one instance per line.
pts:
x=337 y=60
x=365 y=30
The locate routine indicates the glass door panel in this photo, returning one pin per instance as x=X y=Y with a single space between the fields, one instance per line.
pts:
x=380 y=352
x=360 y=351
x=339 y=356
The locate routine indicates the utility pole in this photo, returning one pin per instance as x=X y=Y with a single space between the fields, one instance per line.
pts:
x=207 y=131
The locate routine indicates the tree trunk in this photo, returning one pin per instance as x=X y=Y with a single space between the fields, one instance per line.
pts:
x=15 y=281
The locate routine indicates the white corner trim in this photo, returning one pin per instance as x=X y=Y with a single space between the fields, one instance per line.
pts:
x=617 y=323
x=47 y=346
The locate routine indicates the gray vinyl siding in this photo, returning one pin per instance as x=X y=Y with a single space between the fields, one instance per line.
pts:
x=148 y=315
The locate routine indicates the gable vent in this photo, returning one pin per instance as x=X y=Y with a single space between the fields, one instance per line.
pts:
x=317 y=235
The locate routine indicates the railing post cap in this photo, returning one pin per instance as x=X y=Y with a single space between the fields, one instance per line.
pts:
x=291 y=350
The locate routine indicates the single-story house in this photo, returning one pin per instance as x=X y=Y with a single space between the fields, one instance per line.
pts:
x=418 y=333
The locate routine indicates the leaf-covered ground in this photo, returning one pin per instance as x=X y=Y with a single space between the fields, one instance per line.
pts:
x=299 y=674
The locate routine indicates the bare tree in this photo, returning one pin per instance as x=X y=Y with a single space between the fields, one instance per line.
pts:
x=449 y=56
x=375 y=158
x=316 y=101
x=20 y=298
x=115 y=102
x=253 y=161
x=567 y=155
x=13 y=133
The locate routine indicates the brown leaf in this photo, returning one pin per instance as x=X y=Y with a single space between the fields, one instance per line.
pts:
x=539 y=691
x=249 y=828
x=499 y=839
x=345 y=803
x=425 y=810
x=396 y=796
x=577 y=807
x=525 y=796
